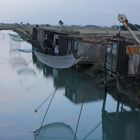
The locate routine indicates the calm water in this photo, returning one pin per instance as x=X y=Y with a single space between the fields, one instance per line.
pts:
x=27 y=87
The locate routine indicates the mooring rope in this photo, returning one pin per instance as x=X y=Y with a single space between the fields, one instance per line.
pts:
x=36 y=110
x=85 y=52
x=25 y=29
x=31 y=35
x=92 y=130
x=78 y=121
x=47 y=111
x=34 y=40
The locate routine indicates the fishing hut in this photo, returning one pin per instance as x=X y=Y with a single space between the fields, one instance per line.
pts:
x=68 y=49
x=122 y=60
x=55 y=42
x=55 y=48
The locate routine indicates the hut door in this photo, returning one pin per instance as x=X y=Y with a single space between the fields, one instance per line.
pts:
x=70 y=46
x=63 y=45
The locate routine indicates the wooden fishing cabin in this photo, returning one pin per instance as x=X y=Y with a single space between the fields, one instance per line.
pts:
x=63 y=43
x=56 y=38
x=122 y=60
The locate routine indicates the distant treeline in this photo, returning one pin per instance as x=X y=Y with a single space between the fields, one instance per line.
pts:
x=134 y=27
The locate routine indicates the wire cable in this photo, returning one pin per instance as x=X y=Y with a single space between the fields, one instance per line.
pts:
x=92 y=130
x=78 y=121
x=36 y=110
x=47 y=111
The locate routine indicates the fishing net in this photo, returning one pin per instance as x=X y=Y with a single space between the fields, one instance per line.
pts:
x=19 y=62
x=15 y=59
x=65 y=61
x=54 y=131
x=16 y=37
x=14 y=45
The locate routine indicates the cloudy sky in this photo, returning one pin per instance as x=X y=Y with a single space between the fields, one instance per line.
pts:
x=81 y=12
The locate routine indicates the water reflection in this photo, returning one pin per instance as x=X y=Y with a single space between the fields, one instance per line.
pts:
x=76 y=84
x=123 y=123
x=2 y=36
x=54 y=131
x=21 y=63
x=78 y=88
x=114 y=116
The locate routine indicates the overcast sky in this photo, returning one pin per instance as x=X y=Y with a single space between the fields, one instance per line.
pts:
x=80 y=12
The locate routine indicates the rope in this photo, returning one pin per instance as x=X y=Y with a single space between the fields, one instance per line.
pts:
x=85 y=52
x=32 y=36
x=92 y=130
x=25 y=29
x=47 y=111
x=33 y=39
x=42 y=103
x=78 y=121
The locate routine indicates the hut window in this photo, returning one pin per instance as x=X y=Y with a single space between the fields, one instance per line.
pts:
x=108 y=49
x=76 y=45
x=114 y=48
x=112 y=55
x=69 y=45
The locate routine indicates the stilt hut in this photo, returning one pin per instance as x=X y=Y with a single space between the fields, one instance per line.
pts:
x=123 y=59
x=58 y=42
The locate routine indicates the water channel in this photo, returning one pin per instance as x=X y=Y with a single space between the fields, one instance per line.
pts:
x=28 y=88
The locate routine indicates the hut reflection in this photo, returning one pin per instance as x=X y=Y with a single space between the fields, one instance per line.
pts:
x=61 y=130
x=76 y=84
x=79 y=85
x=122 y=123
